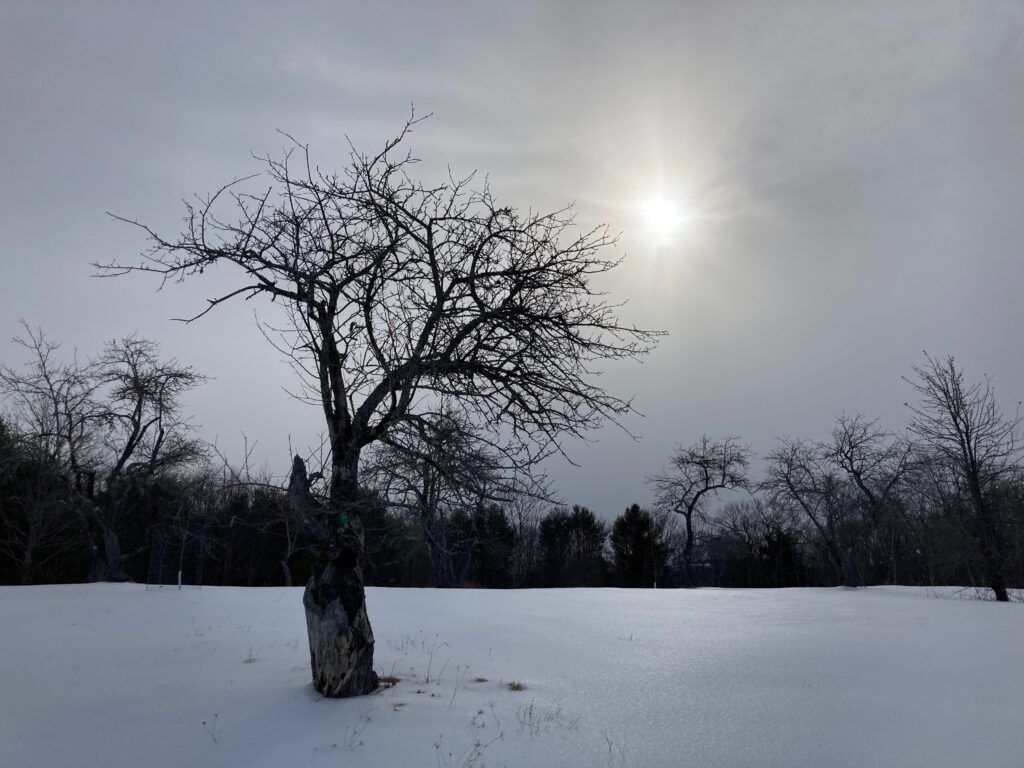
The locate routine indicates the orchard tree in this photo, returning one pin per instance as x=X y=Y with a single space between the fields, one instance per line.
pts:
x=801 y=476
x=39 y=530
x=434 y=467
x=762 y=539
x=108 y=423
x=525 y=511
x=695 y=474
x=877 y=463
x=965 y=433
x=401 y=292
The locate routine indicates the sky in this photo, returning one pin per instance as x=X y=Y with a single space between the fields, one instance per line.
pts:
x=852 y=176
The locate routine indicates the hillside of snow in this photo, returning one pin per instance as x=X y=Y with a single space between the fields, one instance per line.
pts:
x=118 y=676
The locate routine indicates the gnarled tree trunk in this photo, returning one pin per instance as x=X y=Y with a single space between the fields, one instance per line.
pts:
x=340 y=636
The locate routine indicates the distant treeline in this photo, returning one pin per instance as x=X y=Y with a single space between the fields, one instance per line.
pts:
x=100 y=479
x=219 y=532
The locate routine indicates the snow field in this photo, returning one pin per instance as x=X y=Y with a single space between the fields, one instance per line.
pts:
x=115 y=675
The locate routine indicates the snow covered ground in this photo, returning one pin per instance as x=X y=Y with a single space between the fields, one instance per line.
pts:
x=115 y=675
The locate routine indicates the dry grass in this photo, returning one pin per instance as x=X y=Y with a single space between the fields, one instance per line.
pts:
x=389 y=681
x=515 y=685
x=479 y=679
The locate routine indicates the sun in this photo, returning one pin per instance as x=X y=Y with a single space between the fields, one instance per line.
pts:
x=664 y=216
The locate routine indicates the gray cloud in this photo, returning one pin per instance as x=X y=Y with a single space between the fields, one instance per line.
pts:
x=858 y=168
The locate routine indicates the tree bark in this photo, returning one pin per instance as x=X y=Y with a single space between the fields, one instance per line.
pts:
x=106 y=549
x=27 y=565
x=989 y=540
x=993 y=561
x=846 y=571
x=849 y=571
x=688 y=551
x=340 y=636
x=440 y=558
x=444 y=572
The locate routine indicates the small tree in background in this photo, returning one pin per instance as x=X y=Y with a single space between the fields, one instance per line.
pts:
x=877 y=463
x=696 y=473
x=39 y=530
x=962 y=428
x=111 y=426
x=760 y=541
x=800 y=476
x=437 y=467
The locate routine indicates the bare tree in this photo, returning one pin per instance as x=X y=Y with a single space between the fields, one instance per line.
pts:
x=272 y=515
x=435 y=465
x=398 y=291
x=525 y=513
x=111 y=421
x=877 y=463
x=143 y=435
x=963 y=428
x=53 y=402
x=800 y=475
x=38 y=525
x=875 y=460
x=52 y=410
x=762 y=539
x=671 y=537
x=695 y=474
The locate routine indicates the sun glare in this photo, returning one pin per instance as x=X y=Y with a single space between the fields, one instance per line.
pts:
x=664 y=216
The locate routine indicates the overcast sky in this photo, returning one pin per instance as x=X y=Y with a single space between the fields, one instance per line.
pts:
x=855 y=173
